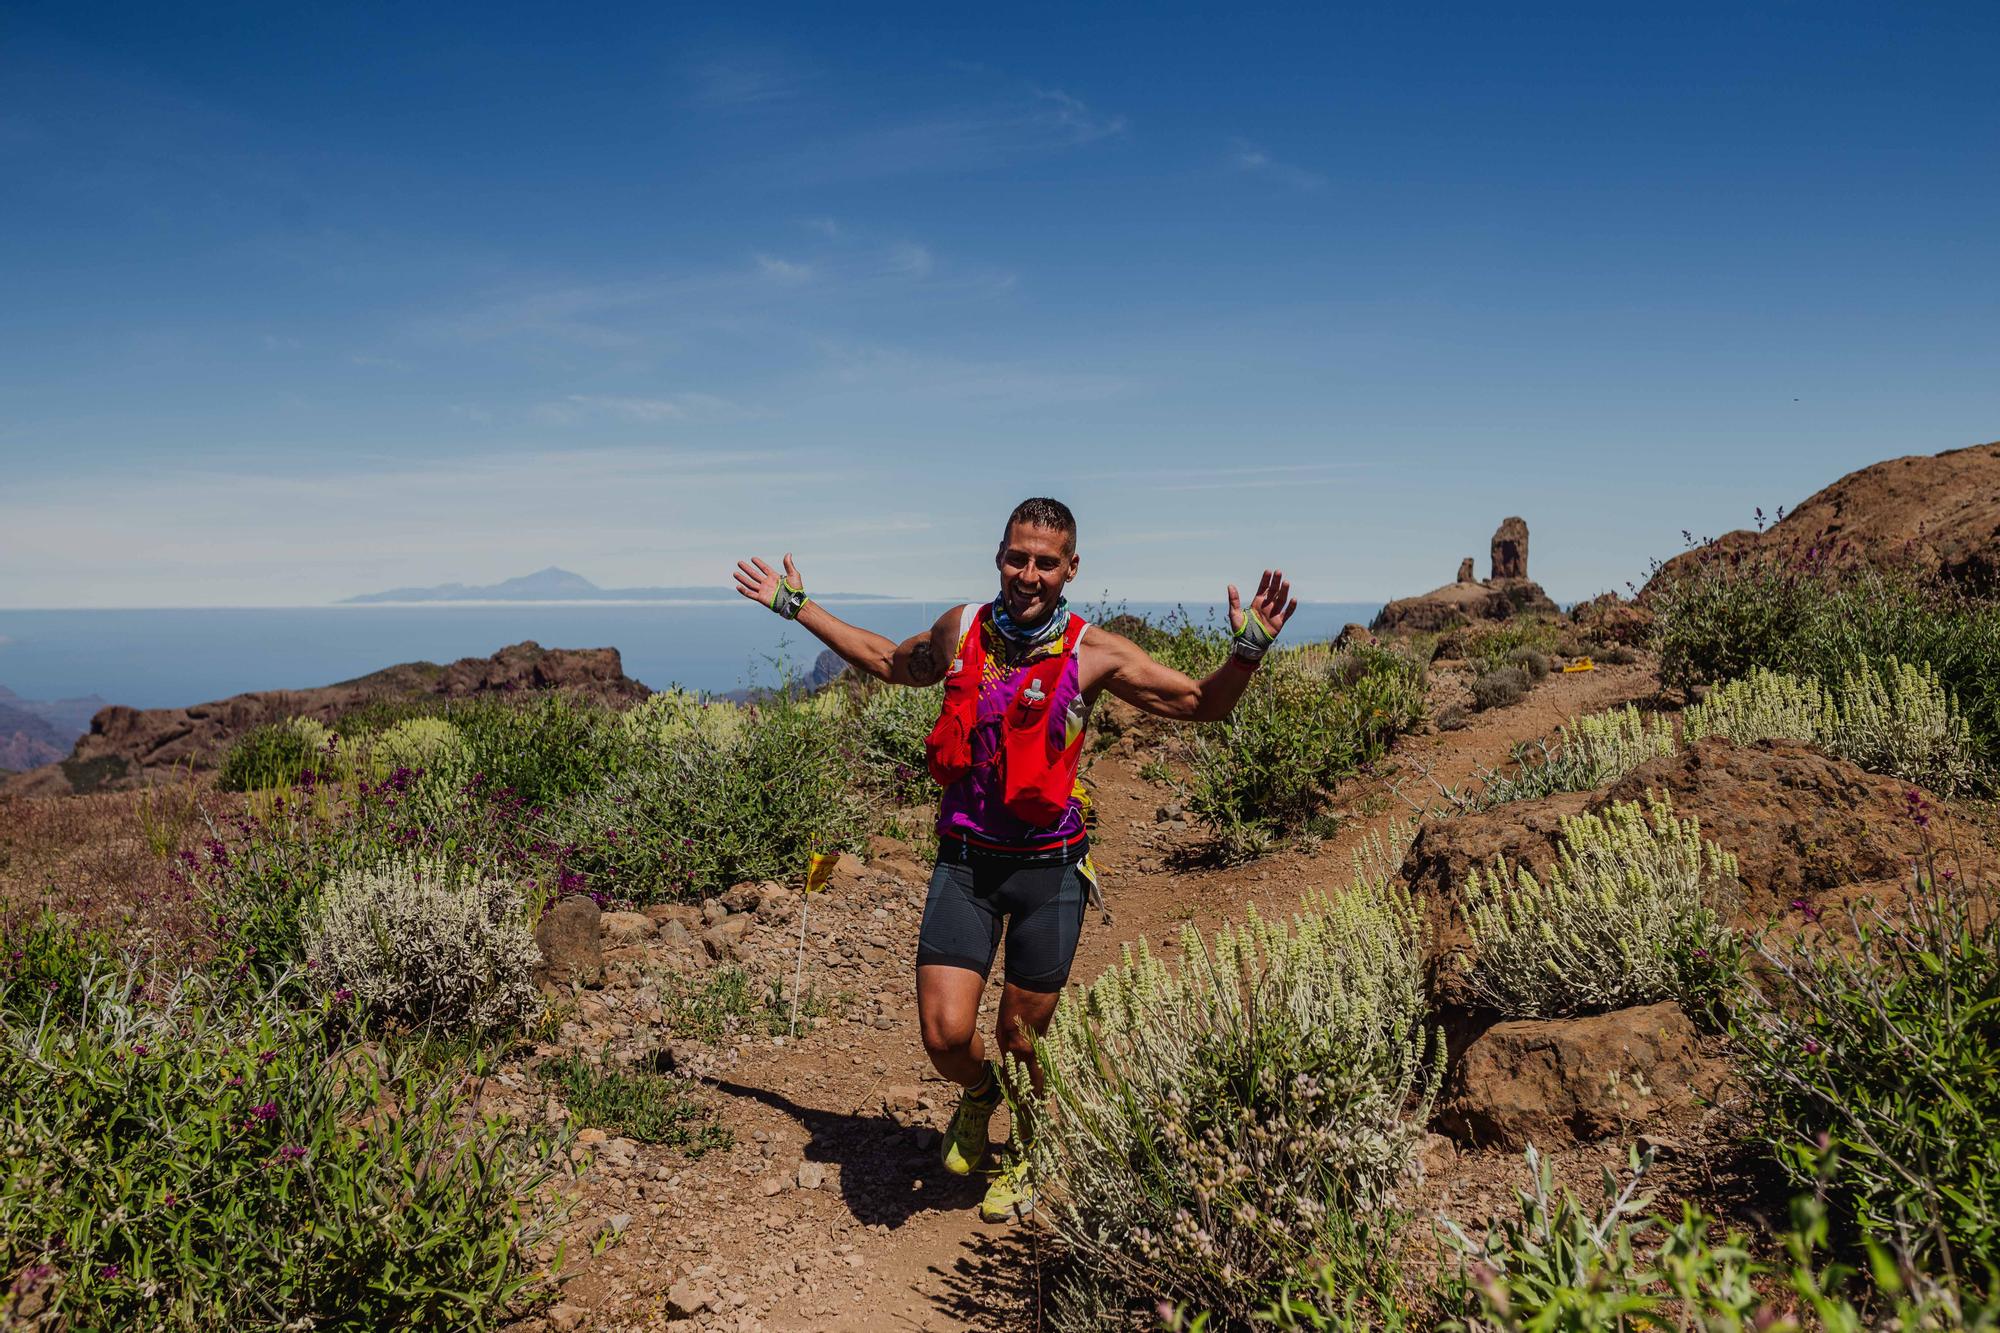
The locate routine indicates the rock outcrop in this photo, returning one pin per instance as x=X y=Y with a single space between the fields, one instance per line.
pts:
x=127 y=745
x=1560 y=1081
x=1940 y=512
x=1802 y=825
x=1510 y=550
x=1508 y=592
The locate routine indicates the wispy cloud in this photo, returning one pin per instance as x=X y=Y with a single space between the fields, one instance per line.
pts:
x=783 y=270
x=886 y=372
x=645 y=411
x=742 y=82
x=970 y=138
x=1255 y=477
x=1251 y=160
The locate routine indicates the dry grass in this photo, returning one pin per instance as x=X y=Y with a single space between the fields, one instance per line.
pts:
x=106 y=859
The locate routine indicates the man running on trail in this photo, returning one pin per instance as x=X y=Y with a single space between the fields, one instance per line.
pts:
x=1021 y=673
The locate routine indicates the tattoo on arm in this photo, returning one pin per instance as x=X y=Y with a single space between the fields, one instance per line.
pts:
x=925 y=669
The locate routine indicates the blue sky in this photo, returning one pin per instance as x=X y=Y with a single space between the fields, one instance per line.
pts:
x=304 y=300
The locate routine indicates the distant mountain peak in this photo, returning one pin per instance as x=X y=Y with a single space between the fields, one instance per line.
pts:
x=555 y=584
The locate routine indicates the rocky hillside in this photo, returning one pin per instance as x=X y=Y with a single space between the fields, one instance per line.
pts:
x=1940 y=510
x=126 y=745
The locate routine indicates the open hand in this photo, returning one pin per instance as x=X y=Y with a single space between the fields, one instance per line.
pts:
x=1273 y=602
x=759 y=582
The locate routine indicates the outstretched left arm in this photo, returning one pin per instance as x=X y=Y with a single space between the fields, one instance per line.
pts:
x=1165 y=692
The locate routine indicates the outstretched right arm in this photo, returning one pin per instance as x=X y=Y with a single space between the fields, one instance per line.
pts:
x=919 y=660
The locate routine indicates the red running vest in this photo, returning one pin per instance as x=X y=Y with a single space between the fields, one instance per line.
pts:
x=1037 y=769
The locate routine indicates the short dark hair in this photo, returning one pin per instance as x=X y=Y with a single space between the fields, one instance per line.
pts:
x=1042 y=512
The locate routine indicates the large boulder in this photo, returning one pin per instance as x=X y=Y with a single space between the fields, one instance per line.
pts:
x=567 y=936
x=1575 y=1080
x=1939 y=511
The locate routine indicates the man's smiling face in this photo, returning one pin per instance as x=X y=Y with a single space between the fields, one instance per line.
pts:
x=1036 y=564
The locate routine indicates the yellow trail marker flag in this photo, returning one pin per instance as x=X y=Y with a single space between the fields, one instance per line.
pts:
x=1585 y=665
x=819 y=869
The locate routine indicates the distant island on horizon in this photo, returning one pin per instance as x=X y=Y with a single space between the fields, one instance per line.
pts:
x=561 y=585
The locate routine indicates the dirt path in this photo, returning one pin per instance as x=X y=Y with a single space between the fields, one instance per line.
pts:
x=882 y=1238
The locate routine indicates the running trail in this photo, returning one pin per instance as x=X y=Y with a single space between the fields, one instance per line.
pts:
x=832 y=1214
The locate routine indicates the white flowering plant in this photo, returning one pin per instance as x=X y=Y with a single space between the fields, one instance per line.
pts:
x=426 y=943
x=1627 y=915
x=1211 y=1130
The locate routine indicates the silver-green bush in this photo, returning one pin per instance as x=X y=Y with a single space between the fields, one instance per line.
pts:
x=426 y=943
x=1903 y=722
x=1764 y=705
x=667 y=716
x=1591 y=751
x=428 y=743
x=1624 y=917
x=1209 y=1130
x=1900 y=721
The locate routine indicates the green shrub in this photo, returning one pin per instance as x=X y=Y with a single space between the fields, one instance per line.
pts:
x=1534 y=665
x=1717 y=621
x=894 y=723
x=1491 y=646
x=638 y=1104
x=178 y=1159
x=1901 y=721
x=1499 y=688
x=1590 y=752
x=1266 y=770
x=426 y=944
x=279 y=755
x=1883 y=1035
x=1210 y=1131
x=704 y=811
x=255 y=891
x=47 y=963
x=1174 y=640
x=546 y=751
x=1627 y=916
x=1562 y=1266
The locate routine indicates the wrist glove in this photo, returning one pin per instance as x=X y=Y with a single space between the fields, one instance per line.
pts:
x=788 y=601
x=1252 y=640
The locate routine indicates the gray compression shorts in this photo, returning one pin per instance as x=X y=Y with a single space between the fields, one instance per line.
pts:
x=1036 y=899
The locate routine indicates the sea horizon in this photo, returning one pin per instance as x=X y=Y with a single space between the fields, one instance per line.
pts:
x=174 y=657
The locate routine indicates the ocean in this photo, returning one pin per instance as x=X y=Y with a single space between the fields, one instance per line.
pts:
x=172 y=658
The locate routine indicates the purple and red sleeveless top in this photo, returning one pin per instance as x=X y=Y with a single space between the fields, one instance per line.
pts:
x=974 y=808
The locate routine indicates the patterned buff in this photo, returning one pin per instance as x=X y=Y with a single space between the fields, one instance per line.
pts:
x=1026 y=639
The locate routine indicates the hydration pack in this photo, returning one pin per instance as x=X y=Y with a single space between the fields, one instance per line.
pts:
x=1037 y=758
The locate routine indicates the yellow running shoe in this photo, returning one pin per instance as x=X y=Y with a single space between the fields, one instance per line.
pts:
x=1011 y=1196
x=965 y=1141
